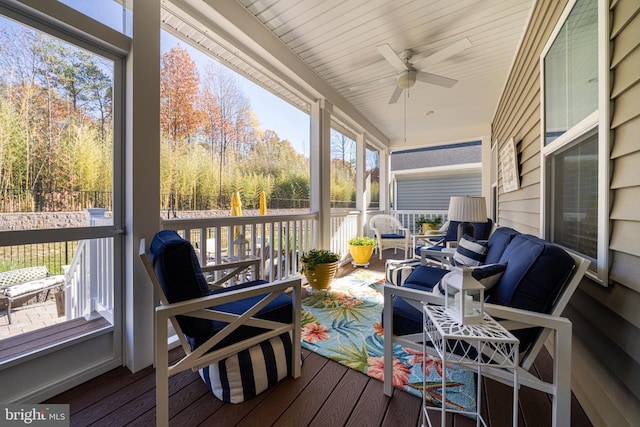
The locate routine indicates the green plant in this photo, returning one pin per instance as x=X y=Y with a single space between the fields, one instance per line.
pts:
x=431 y=221
x=362 y=241
x=317 y=256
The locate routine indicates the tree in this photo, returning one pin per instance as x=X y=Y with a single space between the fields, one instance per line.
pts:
x=228 y=119
x=179 y=83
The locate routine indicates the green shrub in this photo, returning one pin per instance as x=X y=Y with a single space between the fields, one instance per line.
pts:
x=362 y=241
x=317 y=256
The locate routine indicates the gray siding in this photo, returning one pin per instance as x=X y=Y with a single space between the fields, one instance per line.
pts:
x=433 y=192
x=606 y=321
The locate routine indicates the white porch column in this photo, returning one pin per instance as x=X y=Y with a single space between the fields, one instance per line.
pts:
x=361 y=190
x=384 y=179
x=142 y=179
x=320 y=180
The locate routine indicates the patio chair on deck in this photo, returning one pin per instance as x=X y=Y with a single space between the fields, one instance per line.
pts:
x=528 y=299
x=241 y=339
x=390 y=233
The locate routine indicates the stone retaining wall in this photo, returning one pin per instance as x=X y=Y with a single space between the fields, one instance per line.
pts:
x=45 y=220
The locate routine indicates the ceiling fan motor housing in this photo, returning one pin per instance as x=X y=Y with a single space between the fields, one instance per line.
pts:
x=406 y=79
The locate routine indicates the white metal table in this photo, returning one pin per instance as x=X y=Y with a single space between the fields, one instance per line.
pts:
x=470 y=346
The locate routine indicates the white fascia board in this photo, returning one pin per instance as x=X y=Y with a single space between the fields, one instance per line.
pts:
x=439 y=170
x=243 y=31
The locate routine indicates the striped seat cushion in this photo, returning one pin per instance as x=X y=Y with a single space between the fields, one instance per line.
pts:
x=251 y=371
x=397 y=271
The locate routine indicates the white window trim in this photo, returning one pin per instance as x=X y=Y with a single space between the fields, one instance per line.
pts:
x=600 y=119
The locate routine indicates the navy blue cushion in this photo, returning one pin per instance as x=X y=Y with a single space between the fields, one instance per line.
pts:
x=419 y=249
x=536 y=273
x=481 y=230
x=406 y=319
x=178 y=270
x=498 y=242
x=424 y=277
x=392 y=236
x=278 y=310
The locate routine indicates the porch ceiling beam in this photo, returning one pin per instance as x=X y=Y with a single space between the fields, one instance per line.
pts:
x=239 y=28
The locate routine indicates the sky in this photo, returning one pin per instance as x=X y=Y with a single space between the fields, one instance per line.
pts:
x=273 y=113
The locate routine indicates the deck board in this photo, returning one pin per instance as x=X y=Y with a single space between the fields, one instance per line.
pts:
x=326 y=394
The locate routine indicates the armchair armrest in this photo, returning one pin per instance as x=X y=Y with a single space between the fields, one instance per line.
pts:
x=443 y=256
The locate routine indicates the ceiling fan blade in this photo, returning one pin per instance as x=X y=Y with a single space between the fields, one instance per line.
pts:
x=391 y=56
x=443 y=54
x=379 y=81
x=435 y=79
x=395 y=95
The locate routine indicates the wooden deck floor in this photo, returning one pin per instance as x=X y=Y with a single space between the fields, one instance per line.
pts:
x=326 y=394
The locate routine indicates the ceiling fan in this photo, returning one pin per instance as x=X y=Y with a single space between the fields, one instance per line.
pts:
x=408 y=73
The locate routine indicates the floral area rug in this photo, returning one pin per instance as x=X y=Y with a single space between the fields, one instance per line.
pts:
x=344 y=325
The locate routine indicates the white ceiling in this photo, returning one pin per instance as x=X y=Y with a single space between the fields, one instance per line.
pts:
x=337 y=39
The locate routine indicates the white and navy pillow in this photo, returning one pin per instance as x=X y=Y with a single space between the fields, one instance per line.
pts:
x=249 y=372
x=488 y=275
x=469 y=252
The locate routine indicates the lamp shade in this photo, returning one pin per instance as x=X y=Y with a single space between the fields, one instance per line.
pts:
x=467 y=209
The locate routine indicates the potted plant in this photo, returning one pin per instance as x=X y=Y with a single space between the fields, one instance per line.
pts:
x=424 y=224
x=319 y=267
x=361 y=248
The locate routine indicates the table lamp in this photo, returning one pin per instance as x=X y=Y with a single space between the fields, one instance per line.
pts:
x=467 y=209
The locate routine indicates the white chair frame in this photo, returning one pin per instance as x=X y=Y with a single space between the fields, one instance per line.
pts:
x=512 y=319
x=389 y=224
x=200 y=308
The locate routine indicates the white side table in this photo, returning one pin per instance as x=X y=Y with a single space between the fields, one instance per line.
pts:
x=469 y=346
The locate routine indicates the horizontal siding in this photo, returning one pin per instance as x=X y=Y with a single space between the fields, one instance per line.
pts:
x=627 y=40
x=607 y=319
x=518 y=116
x=625 y=139
x=627 y=73
x=625 y=171
x=434 y=192
x=625 y=269
x=625 y=205
x=626 y=105
x=624 y=237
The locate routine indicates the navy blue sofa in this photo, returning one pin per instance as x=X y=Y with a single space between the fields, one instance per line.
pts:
x=528 y=300
x=536 y=272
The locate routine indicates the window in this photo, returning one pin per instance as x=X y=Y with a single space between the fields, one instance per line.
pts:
x=343 y=171
x=114 y=13
x=59 y=167
x=575 y=136
x=372 y=175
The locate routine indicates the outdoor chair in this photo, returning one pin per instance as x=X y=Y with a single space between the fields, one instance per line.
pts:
x=241 y=339
x=390 y=233
x=482 y=231
x=528 y=299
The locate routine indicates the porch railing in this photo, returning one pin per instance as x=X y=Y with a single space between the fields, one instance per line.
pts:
x=277 y=240
x=89 y=280
x=408 y=217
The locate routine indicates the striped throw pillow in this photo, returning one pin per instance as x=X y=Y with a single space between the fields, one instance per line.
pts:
x=250 y=372
x=469 y=252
